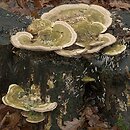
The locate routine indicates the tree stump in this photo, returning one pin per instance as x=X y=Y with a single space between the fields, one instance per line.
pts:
x=60 y=77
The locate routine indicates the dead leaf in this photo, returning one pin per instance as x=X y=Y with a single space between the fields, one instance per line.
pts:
x=93 y=120
x=8 y=128
x=87 y=112
x=37 y=3
x=26 y=128
x=103 y=125
x=14 y=119
x=4 y=5
x=17 y=10
x=5 y=128
x=83 y=1
x=4 y=110
x=4 y=120
x=72 y=125
x=22 y=3
x=115 y=128
x=96 y=128
x=119 y=4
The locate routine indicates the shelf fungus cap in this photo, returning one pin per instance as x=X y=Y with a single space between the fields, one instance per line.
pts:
x=104 y=40
x=44 y=107
x=88 y=79
x=105 y=17
x=102 y=28
x=13 y=99
x=33 y=117
x=20 y=39
x=115 y=49
x=72 y=13
x=56 y=37
x=38 y=25
x=88 y=32
x=53 y=13
x=101 y=9
x=71 y=52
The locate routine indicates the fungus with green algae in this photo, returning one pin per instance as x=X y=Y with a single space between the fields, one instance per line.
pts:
x=102 y=41
x=115 y=49
x=89 y=22
x=73 y=13
x=72 y=51
x=33 y=117
x=38 y=25
x=30 y=102
x=57 y=36
x=88 y=79
x=70 y=30
x=88 y=32
x=13 y=97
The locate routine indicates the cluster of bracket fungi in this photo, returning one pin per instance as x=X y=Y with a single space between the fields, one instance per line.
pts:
x=30 y=102
x=70 y=30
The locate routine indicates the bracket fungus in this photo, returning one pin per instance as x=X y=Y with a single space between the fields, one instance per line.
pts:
x=102 y=41
x=21 y=39
x=89 y=22
x=70 y=30
x=72 y=51
x=104 y=16
x=33 y=117
x=13 y=97
x=38 y=25
x=88 y=79
x=29 y=102
x=73 y=13
x=44 y=107
x=115 y=49
x=55 y=37
x=88 y=32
